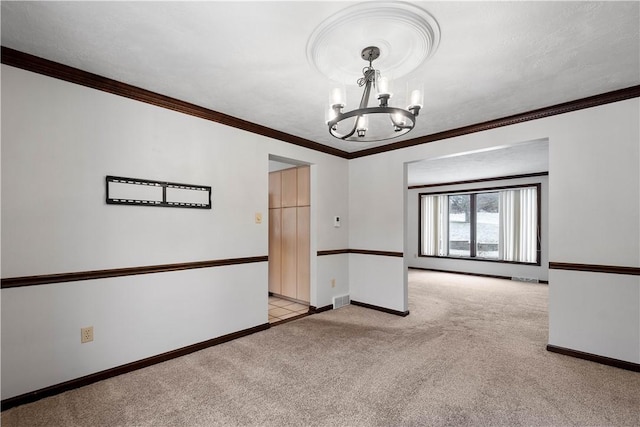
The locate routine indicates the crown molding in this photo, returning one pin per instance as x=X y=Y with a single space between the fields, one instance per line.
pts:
x=53 y=69
x=56 y=70
x=566 y=107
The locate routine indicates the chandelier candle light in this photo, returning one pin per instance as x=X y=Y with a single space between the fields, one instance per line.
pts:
x=368 y=124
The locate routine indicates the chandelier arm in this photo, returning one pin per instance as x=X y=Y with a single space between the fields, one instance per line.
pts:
x=366 y=111
x=371 y=110
x=364 y=101
x=353 y=130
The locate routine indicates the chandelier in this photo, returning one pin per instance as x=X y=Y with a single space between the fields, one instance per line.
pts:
x=376 y=123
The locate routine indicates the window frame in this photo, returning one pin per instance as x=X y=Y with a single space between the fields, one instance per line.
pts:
x=538 y=187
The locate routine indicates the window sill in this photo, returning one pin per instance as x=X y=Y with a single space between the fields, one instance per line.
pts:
x=498 y=261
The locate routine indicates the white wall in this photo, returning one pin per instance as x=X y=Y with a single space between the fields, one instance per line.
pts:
x=134 y=317
x=376 y=201
x=333 y=278
x=595 y=169
x=595 y=313
x=594 y=165
x=540 y=272
x=59 y=140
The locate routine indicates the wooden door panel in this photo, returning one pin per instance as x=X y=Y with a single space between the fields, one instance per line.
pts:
x=289 y=187
x=289 y=252
x=275 y=255
x=304 y=198
x=275 y=190
x=303 y=248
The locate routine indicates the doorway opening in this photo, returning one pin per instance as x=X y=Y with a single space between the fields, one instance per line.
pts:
x=433 y=236
x=289 y=239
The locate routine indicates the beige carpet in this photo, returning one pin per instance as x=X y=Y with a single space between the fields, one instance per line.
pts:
x=472 y=352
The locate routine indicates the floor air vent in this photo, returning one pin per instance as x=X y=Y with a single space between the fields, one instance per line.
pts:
x=341 y=301
x=525 y=279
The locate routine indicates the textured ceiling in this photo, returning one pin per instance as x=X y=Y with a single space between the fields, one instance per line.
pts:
x=520 y=158
x=249 y=59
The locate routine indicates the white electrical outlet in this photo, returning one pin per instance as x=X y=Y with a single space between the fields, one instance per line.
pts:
x=86 y=334
x=333 y=283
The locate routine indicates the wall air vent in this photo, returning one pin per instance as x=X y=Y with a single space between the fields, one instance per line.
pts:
x=341 y=301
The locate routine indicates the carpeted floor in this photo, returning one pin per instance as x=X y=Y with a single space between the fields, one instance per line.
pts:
x=472 y=352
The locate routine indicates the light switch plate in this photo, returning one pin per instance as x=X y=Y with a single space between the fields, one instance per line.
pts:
x=258 y=218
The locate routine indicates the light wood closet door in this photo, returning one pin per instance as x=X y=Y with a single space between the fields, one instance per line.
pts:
x=289 y=252
x=275 y=189
x=275 y=254
x=303 y=247
x=289 y=233
x=289 y=187
x=304 y=198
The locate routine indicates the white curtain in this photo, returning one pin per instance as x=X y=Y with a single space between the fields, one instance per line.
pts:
x=518 y=225
x=509 y=208
x=528 y=224
x=434 y=225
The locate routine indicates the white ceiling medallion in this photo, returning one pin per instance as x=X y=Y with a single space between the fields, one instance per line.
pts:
x=405 y=34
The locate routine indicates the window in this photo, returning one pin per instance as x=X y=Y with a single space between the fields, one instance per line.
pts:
x=499 y=224
x=487 y=225
x=460 y=225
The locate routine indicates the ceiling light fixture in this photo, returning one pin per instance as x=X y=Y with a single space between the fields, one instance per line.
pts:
x=375 y=123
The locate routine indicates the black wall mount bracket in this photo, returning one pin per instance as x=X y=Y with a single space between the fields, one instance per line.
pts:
x=146 y=192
